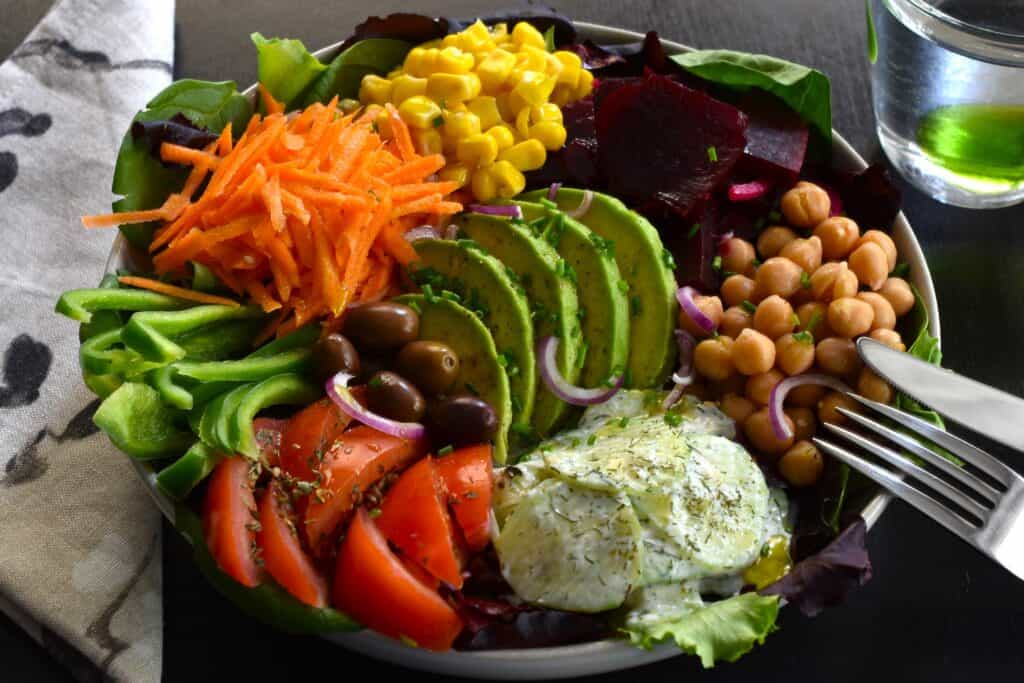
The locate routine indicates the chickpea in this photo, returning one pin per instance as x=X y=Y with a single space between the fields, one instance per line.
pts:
x=850 y=317
x=827 y=408
x=774 y=317
x=738 y=408
x=890 y=338
x=868 y=263
x=885 y=317
x=805 y=396
x=806 y=205
x=759 y=387
x=771 y=241
x=883 y=241
x=738 y=256
x=898 y=293
x=837 y=356
x=871 y=386
x=711 y=306
x=837 y=235
x=804 y=422
x=753 y=353
x=814 y=319
x=758 y=430
x=713 y=358
x=779 y=276
x=802 y=464
x=833 y=281
x=794 y=354
x=806 y=253
x=735 y=320
x=736 y=289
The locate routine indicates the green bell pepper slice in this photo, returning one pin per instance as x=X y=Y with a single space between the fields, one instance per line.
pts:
x=246 y=370
x=140 y=424
x=149 y=333
x=80 y=304
x=223 y=433
x=279 y=390
x=103 y=320
x=173 y=394
x=267 y=602
x=212 y=415
x=179 y=478
x=102 y=355
x=101 y=385
x=302 y=338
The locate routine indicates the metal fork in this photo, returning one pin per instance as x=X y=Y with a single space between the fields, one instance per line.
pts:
x=986 y=509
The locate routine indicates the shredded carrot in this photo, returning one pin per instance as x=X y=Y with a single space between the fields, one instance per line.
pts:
x=304 y=214
x=173 y=290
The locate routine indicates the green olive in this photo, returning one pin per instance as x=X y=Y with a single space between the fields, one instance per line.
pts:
x=430 y=365
x=394 y=397
x=462 y=420
x=333 y=354
x=381 y=325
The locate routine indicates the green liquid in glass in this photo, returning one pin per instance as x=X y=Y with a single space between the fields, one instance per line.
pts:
x=983 y=141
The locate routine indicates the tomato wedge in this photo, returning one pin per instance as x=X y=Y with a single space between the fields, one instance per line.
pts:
x=357 y=459
x=468 y=477
x=421 y=574
x=228 y=516
x=414 y=516
x=372 y=586
x=283 y=556
x=268 y=433
x=308 y=436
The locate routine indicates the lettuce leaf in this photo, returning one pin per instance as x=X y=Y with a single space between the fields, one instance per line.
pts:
x=721 y=631
x=345 y=73
x=285 y=67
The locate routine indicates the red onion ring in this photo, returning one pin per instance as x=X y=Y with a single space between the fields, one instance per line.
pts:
x=581 y=210
x=553 y=190
x=746 y=192
x=684 y=295
x=422 y=232
x=778 y=397
x=337 y=389
x=571 y=394
x=504 y=210
x=684 y=375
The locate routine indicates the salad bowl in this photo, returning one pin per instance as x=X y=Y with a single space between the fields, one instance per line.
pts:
x=598 y=656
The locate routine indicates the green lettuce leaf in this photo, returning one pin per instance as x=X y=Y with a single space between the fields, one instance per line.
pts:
x=721 y=631
x=345 y=73
x=805 y=90
x=285 y=67
x=925 y=347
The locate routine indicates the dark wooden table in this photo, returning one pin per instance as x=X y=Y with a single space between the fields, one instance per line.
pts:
x=935 y=611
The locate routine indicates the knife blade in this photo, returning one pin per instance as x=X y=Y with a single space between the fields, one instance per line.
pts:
x=990 y=412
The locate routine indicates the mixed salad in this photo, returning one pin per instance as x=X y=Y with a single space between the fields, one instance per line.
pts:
x=483 y=335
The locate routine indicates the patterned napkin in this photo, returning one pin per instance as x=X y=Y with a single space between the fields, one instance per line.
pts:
x=79 y=537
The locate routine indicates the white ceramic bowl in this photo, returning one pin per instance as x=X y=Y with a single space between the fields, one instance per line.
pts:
x=599 y=656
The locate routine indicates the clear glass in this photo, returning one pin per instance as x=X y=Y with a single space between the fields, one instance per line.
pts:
x=948 y=90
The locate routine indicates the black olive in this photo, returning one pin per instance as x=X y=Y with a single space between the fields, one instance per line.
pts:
x=371 y=364
x=381 y=325
x=461 y=421
x=430 y=365
x=333 y=354
x=394 y=397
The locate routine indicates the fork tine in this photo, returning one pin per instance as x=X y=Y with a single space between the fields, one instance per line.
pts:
x=971 y=454
x=922 y=475
x=899 y=488
x=977 y=485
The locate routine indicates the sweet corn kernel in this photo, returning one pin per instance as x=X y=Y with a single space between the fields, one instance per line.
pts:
x=505 y=107
x=584 y=85
x=499 y=32
x=532 y=59
x=571 y=66
x=452 y=60
x=453 y=87
x=406 y=86
x=421 y=62
x=561 y=95
x=495 y=69
x=508 y=181
x=549 y=133
x=375 y=90
x=523 y=122
x=486 y=109
x=395 y=73
x=534 y=87
x=525 y=34
x=476 y=37
x=460 y=124
x=458 y=173
x=382 y=120
x=419 y=111
x=545 y=112
x=484 y=185
x=528 y=155
x=477 y=150
x=502 y=135
x=427 y=141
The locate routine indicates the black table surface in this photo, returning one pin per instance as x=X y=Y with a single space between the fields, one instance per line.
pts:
x=935 y=610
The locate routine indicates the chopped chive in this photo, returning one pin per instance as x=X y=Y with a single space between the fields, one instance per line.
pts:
x=446 y=450
x=712 y=154
x=805 y=280
x=748 y=306
x=694 y=229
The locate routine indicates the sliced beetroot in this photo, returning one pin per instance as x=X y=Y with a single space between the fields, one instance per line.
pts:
x=776 y=139
x=664 y=145
x=870 y=197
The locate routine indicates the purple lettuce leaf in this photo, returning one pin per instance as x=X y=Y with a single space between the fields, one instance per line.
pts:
x=178 y=130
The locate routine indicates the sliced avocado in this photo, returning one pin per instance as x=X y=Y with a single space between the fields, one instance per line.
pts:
x=552 y=296
x=643 y=263
x=480 y=372
x=604 y=304
x=486 y=288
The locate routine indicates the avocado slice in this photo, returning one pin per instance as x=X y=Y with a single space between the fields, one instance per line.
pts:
x=486 y=288
x=552 y=296
x=480 y=372
x=604 y=304
x=644 y=264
